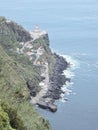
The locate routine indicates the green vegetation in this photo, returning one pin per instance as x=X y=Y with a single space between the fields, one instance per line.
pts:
x=4 y=120
x=14 y=92
x=16 y=112
x=11 y=117
x=10 y=42
x=48 y=55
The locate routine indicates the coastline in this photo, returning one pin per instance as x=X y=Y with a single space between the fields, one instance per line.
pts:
x=52 y=91
x=57 y=80
x=51 y=68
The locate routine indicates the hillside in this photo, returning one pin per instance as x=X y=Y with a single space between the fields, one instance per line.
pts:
x=15 y=70
x=29 y=72
x=14 y=92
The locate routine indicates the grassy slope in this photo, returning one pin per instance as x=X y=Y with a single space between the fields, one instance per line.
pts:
x=13 y=91
x=14 y=69
x=11 y=35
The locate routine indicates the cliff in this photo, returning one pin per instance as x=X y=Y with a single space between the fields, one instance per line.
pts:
x=29 y=72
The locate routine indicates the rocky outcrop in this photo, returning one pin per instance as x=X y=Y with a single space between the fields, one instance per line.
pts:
x=53 y=82
x=57 y=80
x=47 y=103
x=11 y=29
x=21 y=34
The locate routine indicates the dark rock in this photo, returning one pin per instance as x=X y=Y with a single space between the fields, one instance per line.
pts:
x=52 y=107
x=29 y=84
x=42 y=78
x=57 y=79
x=43 y=105
x=22 y=34
x=47 y=105
x=32 y=88
x=33 y=93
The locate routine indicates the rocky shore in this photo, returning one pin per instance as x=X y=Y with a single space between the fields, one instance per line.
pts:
x=56 y=81
x=46 y=99
x=51 y=67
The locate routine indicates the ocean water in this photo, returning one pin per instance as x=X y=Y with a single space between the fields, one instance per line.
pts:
x=72 y=26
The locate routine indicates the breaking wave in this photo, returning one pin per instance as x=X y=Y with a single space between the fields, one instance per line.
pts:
x=69 y=73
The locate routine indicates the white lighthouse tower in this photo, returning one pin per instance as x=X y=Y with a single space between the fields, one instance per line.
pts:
x=37 y=33
x=36 y=29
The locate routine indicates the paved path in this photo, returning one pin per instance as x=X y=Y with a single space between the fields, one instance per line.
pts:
x=44 y=86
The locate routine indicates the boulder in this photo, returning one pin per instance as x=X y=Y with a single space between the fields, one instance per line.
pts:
x=42 y=104
x=52 y=107
x=47 y=105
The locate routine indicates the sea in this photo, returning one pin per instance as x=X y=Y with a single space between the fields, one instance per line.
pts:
x=72 y=26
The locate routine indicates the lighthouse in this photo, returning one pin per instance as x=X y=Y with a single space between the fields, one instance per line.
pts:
x=36 y=29
x=37 y=33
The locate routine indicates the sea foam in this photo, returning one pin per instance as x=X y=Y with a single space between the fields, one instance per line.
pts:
x=69 y=73
x=73 y=62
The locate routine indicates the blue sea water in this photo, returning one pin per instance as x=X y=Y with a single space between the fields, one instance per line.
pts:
x=72 y=26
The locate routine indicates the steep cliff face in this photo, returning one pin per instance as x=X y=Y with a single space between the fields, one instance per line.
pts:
x=13 y=31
